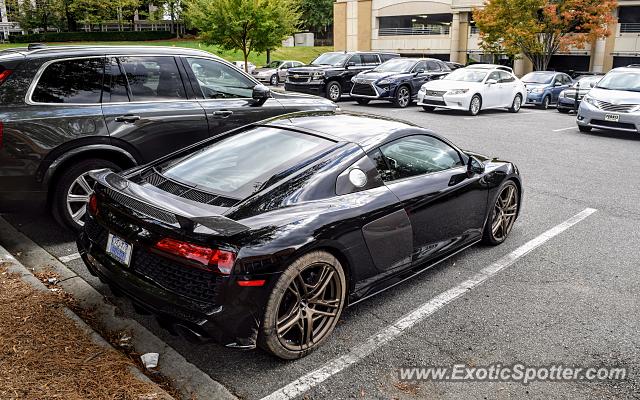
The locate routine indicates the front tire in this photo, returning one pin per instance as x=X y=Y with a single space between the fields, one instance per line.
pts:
x=403 y=97
x=475 y=105
x=584 y=128
x=428 y=108
x=546 y=101
x=563 y=110
x=363 y=102
x=334 y=91
x=304 y=306
x=72 y=190
x=503 y=215
x=516 y=104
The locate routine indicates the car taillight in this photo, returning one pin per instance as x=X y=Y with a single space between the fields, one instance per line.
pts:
x=92 y=206
x=4 y=75
x=220 y=260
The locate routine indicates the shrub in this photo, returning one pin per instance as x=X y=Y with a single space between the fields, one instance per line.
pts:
x=91 y=36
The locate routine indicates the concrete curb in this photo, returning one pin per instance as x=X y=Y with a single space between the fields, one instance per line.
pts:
x=14 y=266
x=190 y=381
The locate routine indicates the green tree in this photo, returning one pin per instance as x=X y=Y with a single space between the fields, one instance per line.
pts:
x=245 y=25
x=175 y=9
x=540 y=28
x=41 y=14
x=316 y=15
x=125 y=10
x=91 y=11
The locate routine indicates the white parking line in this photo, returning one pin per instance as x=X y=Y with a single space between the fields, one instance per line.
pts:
x=332 y=367
x=501 y=115
x=70 y=257
x=564 y=129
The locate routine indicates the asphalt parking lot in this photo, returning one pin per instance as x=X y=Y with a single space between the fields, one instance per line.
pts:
x=571 y=300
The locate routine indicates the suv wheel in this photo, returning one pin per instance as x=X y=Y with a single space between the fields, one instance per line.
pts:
x=72 y=190
x=403 y=97
x=334 y=91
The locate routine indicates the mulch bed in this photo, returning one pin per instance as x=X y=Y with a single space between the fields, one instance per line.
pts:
x=44 y=355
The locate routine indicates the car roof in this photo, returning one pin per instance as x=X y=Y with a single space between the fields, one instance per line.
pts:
x=629 y=68
x=366 y=130
x=490 y=66
x=85 y=50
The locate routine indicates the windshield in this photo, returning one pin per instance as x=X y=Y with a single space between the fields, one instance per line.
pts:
x=396 y=65
x=273 y=64
x=466 y=75
x=335 y=59
x=621 y=80
x=587 y=81
x=537 y=77
x=241 y=164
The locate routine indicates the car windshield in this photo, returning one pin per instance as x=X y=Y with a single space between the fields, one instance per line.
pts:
x=466 y=75
x=330 y=59
x=587 y=81
x=396 y=65
x=242 y=164
x=537 y=77
x=273 y=64
x=621 y=80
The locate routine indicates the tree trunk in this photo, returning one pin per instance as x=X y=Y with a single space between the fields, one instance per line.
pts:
x=268 y=56
x=246 y=60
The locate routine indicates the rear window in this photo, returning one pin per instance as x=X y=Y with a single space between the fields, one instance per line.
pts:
x=243 y=164
x=71 y=81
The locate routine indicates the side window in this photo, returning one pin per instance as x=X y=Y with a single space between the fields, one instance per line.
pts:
x=356 y=59
x=567 y=79
x=506 y=77
x=115 y=83
x=370 y=59
x=416 y=155
x=71 y=81
x=494 y=75
x=443 y=66
x=432 y=66
x=421 y=65
x=220 y=81
x=286 y=65
x=152 y=78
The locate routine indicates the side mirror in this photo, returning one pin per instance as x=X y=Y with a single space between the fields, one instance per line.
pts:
x=420 y=71
x=491 y=82
x=351 y=64
x=556 y=84
x=474 y=166
x=260 y=94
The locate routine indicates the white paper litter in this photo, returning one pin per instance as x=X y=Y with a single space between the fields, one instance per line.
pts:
x=150 y=360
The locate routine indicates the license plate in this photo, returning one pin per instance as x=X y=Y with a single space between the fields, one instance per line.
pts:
x=118 y=249
x=612 y=117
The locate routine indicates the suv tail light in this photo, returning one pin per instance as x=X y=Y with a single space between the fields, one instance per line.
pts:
x=216 y=259
x=4 y=74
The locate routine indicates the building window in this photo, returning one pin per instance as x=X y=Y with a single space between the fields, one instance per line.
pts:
x=629 y=19
x=431 y=24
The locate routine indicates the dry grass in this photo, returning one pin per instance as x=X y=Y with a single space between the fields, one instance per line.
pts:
x=44 y=355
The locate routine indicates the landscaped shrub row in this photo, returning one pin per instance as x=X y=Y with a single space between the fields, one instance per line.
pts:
x=91 y=36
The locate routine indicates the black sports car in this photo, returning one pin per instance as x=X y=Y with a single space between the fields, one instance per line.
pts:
x=262 y=235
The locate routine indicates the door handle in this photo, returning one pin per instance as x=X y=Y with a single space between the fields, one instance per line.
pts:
x=128 y=118
x=223 y=113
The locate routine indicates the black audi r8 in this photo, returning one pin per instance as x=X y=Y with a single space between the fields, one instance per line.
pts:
x=262 y=235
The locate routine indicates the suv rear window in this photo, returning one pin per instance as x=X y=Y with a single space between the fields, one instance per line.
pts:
x=242 y=164
x=71 y=81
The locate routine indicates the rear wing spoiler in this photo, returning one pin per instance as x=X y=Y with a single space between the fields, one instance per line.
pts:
x=163 y=207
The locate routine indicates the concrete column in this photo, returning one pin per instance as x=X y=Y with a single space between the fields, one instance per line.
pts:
x=597 y=55
x=352 y=25
x=364 y=25
x=522 y=66
x=340 y=26
x=610 y=42
x=455 y=37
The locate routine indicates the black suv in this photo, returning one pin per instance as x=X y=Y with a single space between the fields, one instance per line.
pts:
x=330 y=74
x=68 y=110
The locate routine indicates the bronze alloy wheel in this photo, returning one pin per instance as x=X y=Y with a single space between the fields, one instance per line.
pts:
x=504 y=213
x=304 y=307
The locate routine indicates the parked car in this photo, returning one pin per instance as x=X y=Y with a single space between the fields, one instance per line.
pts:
x=474 y=88
x=275 y=72
x=580 y=87
x=453 y=65
x=544 y=87
x=614 y=103
x=240 y=65
x=67 y=110
x=397 y=80
x=330 y=74
x=262 y=236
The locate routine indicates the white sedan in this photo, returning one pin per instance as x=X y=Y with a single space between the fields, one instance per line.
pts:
x=474 y=88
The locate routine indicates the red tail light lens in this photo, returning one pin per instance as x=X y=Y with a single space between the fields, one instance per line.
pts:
x=4 y=75
x=92 y=206
x=221 y=260
x=254 y=283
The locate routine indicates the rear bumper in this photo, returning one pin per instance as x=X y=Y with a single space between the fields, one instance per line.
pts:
x=567 y=103
x=233 y=323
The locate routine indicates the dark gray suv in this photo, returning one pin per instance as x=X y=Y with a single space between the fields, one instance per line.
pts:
x=68 y=110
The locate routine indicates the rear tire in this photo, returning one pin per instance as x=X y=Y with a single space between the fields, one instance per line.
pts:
x=516 y=105
x=428 y=108
x=274 y=80
x=304 y=306
x=584 y=128
x=563 y=111
x=333 y=91
x=363 y=102
x=503 y=214
x=72 y=189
